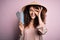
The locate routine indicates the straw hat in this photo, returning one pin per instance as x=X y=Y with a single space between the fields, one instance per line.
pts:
x=35 y=3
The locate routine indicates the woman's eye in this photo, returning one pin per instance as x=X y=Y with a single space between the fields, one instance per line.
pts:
x=36 y=11
x=31 y=10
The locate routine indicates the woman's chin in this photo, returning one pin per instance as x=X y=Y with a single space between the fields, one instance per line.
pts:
x=33 y=17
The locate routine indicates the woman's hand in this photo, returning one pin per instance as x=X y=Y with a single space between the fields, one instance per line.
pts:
x=21 y=27
x=39 y=15
x=39 y=12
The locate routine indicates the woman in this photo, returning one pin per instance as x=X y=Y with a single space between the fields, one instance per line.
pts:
x=34 y=23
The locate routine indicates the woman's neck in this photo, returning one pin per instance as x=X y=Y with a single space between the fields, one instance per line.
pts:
x=31 y=23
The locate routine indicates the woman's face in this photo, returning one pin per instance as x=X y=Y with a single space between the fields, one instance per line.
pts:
x=33 y=11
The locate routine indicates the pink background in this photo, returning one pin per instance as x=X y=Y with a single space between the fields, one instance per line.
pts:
x=9 y=21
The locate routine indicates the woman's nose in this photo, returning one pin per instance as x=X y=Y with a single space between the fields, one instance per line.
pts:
x=33 y=12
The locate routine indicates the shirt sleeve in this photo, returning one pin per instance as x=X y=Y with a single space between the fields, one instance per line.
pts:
x=42 y=30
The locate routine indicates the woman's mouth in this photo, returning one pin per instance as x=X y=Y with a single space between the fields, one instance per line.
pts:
x=33 y=14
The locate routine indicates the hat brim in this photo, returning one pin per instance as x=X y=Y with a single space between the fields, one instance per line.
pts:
x=44 y=8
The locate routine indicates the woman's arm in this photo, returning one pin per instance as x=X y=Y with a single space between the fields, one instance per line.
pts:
x=41 y=27
x=21 y=27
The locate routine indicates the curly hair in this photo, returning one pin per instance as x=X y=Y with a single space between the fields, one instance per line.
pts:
x=27 y=17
